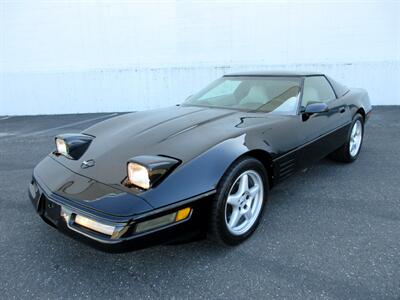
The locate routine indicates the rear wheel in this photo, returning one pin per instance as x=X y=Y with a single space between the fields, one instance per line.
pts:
x=351 y=149
x=239 y=202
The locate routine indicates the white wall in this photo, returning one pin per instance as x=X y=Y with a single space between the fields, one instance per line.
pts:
x=98 y=56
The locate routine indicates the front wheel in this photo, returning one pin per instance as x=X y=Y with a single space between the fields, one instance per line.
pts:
x=351 y=149
x=239 y=202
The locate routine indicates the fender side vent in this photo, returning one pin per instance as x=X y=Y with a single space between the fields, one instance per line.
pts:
x=287 y=168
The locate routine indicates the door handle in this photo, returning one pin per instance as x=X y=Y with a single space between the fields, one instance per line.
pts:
x=342 y=110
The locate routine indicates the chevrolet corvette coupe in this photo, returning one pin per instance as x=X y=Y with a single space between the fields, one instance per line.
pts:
x=204 y=167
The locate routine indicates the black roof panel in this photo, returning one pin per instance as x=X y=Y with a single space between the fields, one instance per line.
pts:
x=273 y=73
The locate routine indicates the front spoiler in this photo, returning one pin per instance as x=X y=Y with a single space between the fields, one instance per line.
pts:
x=60 y=213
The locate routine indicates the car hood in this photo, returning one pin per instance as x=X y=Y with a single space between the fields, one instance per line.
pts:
x=182 y=132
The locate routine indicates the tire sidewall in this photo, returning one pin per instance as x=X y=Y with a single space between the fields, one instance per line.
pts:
x=224 y=188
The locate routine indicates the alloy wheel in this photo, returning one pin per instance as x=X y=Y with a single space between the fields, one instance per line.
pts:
x=244 y=202
x=355 y=138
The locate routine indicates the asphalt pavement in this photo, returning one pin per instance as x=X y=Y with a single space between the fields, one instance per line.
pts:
x=332 y=232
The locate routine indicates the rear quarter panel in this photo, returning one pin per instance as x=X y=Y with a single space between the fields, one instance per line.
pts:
x=357 y=99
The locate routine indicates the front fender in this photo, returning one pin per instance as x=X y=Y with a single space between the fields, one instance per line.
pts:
x=199 y=175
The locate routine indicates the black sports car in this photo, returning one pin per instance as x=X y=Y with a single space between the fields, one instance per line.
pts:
x=205 y=166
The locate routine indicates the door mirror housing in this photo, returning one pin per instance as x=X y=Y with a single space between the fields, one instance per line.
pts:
x=314 y=108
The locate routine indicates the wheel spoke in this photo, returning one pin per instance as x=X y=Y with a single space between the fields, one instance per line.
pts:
x=248 y=214
x=243 y=184
x=235 y=216
x=234 y=199
x=354 y=131
x=254 y=190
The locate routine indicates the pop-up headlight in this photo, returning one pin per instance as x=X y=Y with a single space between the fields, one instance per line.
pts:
x=72 y=146
x=146 y=170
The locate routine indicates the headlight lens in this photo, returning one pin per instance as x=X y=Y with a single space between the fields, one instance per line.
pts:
x=139 y=175
x=62 y=147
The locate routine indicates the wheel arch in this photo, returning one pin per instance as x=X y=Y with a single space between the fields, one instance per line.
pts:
x=263 y=157
x=266 y=159
x=361 y=111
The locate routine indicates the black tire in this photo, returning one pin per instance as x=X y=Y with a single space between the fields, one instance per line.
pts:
x=218 y=229
x=343 y=153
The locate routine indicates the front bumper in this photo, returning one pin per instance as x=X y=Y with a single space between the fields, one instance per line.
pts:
x=61 y=213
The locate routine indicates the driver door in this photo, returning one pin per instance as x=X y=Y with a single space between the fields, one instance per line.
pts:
x=321 y=133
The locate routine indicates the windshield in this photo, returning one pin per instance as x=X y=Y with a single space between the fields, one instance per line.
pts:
x=266 y=94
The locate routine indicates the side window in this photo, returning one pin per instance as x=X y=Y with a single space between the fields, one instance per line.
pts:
x=316 y=89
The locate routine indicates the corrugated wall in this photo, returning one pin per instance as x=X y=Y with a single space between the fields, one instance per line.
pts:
x=61 y=57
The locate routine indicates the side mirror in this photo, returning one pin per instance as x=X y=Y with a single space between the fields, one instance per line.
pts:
x=314 y=108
